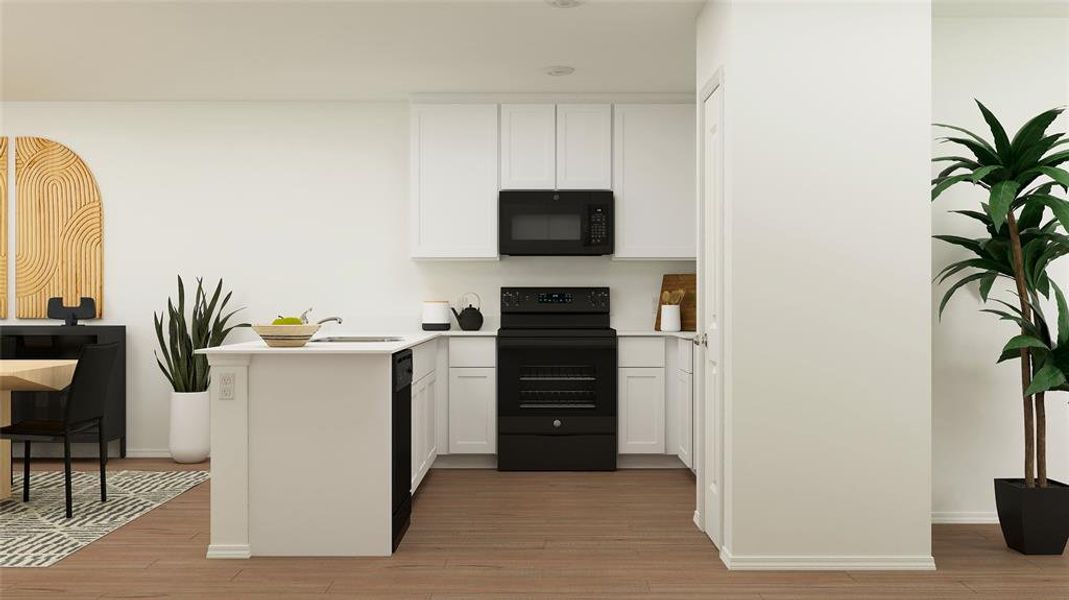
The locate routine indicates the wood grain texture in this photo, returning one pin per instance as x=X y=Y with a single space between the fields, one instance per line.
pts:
x=3 y=227
x=480 y=533
x=688 y=310
x=59 y=245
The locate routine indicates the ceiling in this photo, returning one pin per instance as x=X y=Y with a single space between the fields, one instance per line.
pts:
x=355 y=50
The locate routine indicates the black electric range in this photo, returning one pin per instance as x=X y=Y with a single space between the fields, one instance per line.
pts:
x=556 y=380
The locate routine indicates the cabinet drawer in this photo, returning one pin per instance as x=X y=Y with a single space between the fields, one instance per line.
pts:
x=686 y=355
x=641 y=352
x=424 y=359
x=473 y=352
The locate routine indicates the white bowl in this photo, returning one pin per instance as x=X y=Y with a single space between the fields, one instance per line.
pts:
x=286 y=336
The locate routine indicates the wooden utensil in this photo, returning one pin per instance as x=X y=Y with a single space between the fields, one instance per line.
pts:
x=688 y=303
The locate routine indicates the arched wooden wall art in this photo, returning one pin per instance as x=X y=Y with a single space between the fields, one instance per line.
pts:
x=3 y=227
x=59 y=245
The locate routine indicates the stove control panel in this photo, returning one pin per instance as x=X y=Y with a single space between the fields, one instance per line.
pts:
x=555 y=300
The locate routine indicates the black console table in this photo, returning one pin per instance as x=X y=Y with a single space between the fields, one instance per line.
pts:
x=66 y=341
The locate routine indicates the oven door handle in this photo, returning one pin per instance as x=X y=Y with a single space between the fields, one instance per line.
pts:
x=569 y=343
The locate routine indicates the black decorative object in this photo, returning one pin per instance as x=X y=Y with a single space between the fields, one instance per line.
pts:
x=1034 y=520
x=86 y=309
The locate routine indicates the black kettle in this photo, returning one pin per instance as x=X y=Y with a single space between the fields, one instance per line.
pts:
x=469 y=319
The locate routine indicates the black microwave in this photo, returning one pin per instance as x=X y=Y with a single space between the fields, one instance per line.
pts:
x=555 y=222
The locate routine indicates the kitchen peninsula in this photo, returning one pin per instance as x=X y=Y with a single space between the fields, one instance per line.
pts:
x=301 y=447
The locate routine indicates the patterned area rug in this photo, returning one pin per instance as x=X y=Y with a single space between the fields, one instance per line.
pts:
x=36 y=534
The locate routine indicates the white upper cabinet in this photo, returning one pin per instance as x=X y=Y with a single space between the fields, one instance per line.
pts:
x=584 y=147
x=528 y=146
x=654 y=181
x=454 y=180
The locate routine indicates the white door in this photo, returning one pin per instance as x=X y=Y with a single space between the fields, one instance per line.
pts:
x=584 y=146
x=653 y=181
x=711 y=297
x=528 y=146
x=640 y=398
x=472 y=410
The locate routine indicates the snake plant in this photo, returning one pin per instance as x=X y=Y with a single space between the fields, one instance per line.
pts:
x=206 y=328
x=1020 y=178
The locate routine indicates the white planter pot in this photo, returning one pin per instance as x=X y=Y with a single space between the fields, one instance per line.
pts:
x=670 y=317
x=190 y=440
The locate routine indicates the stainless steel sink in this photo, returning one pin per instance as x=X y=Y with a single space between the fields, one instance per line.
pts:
x=371 y=339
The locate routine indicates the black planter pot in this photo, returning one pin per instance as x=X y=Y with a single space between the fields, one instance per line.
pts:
x=1034 y=520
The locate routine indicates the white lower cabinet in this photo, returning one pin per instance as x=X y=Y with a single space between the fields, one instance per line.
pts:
x=424 y=427
x=472 y=410
x=641 y=405
x=683 y=397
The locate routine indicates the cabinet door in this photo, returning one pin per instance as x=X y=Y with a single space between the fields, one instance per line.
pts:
x=472 y=411
x=441 y=396
x=641 y=405
x=653 y=181
x=584 y=146
x=419 y=420
x=454 y=181
x=430 y=429
x=684 y=398
x=528 y=146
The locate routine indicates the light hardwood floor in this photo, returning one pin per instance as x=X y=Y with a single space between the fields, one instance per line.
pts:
x=507 y=535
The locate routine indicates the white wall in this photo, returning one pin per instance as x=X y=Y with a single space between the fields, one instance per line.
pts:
x=827 y=106
x=1017 y=67
x=294 y=205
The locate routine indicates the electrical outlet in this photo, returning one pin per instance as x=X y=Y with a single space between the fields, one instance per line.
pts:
x=226 y=386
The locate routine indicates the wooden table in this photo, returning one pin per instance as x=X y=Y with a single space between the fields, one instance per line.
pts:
x=30 y=376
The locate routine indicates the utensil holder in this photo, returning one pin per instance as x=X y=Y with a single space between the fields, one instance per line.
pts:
x=670 y=317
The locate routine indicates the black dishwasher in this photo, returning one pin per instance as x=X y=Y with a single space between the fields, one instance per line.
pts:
x=402 y=444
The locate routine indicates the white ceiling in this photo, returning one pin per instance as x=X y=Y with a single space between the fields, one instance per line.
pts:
x=356 y=50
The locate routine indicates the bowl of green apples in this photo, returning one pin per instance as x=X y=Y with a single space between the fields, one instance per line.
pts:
x=286 y=332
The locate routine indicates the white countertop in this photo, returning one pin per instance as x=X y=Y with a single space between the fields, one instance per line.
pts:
x=408 y=340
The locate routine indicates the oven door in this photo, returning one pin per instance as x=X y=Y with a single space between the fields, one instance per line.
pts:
x=549 y=223
x=556 y=385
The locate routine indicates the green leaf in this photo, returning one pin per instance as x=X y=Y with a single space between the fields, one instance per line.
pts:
x=1063 y=316
x=954 y=288
x=1024 y=341
x=1033 y=130
x=964 y=242
x=1059 y=175
x=976 y=139
x=1055 y=159
x=1002 y=141
x=949 y=181
x=1047 y=378
x=1059 y=207
x=982 y=172
x=984 y=154
x=985 y=285
x=1002 y=196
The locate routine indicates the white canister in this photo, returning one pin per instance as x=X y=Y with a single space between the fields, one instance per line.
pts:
x=436 y=315
x=670 y=317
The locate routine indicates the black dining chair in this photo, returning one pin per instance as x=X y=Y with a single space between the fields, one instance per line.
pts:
x=84 y=409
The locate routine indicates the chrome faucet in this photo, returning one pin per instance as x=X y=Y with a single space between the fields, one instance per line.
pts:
x=329 y=319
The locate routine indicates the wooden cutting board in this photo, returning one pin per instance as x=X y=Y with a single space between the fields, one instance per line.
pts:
x=688 y=311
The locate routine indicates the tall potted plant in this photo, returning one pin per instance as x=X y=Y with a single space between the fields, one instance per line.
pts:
x=187 y=372
x=1022 y=181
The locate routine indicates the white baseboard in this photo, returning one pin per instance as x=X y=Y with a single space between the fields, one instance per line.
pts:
x=699 y=522
x=826 y=563
x=465 y=461
x=964 y=518
x=226 y=551
x=147 y=453
x=649 y=461
x=623 y=461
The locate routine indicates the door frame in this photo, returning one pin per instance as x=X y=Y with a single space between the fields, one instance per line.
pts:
x=705 y=430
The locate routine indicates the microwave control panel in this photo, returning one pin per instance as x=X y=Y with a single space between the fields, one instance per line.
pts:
x=599 y=225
